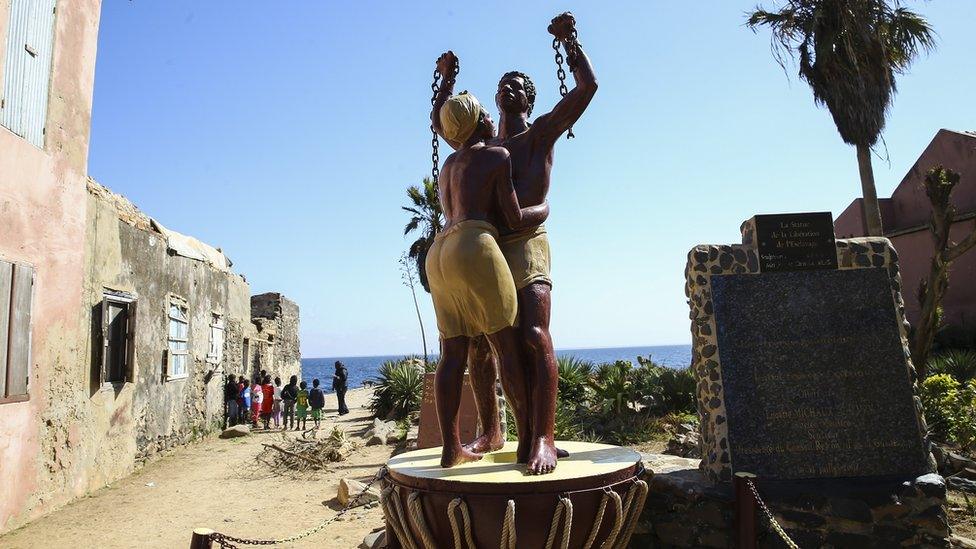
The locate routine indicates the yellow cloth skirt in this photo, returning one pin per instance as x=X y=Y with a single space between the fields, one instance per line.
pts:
x=528 y=256
x=470 y=283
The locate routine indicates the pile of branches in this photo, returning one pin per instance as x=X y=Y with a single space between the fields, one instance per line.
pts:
x=306 y=453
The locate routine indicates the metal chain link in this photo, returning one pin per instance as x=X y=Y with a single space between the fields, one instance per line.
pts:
x=435 y=158
x=561 y=74
x=229 y=541
x=769 y=516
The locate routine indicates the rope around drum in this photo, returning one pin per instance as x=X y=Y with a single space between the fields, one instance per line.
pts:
x=231 y=542
x=627 y=509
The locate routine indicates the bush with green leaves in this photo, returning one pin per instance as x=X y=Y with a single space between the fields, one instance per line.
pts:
x=665 y=390
x=950 y=410
x=399 y=388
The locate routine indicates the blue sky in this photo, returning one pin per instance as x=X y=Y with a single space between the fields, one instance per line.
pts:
x=286 y=132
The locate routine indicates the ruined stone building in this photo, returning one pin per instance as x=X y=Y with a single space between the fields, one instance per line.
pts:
x=276 y=347
x=116 y=333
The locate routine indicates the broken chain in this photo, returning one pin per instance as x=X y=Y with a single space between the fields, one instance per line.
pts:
x=232 y=542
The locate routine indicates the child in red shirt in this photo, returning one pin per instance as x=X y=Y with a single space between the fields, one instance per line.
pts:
x=268 y=403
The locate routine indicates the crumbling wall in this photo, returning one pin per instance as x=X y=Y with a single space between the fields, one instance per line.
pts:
x=278 y=349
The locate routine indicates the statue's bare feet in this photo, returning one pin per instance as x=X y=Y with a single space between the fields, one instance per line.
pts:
x=485 y=443
x=560 y=453
x=456 y=456
x=542 y=459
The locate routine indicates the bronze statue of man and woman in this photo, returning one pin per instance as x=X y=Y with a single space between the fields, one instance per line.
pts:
x=489 y=267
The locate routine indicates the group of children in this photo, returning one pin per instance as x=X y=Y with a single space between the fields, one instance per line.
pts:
x=288 y=406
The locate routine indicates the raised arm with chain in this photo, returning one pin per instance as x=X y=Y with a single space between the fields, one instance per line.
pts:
x=574 y=102
x=443 y=88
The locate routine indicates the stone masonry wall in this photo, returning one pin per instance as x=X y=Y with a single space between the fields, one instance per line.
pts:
x=684 y=509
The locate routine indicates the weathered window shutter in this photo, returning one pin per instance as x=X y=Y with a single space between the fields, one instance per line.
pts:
x=130 y=344
x=27 y=68
x=102 y=372
x=6 y=285
x=18 y=347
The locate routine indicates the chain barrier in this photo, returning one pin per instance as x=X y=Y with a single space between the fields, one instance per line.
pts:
x=560 y=73
x=769 y=516
x=435 y=88
x=225 y=541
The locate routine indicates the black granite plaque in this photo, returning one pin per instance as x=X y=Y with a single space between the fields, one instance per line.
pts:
x=816 y=382
x=796 y=242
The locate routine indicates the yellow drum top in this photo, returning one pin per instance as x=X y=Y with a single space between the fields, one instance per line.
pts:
x=586 y=459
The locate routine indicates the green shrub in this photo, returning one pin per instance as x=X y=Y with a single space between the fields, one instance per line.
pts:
x=613 y=388
x=665 y=390
x=950 y=409
x=939 y=393
x=399 y=388
x=574 y=378
x=959 y=363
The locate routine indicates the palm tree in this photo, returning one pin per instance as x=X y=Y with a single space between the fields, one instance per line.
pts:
x=427 y=216
x=849 y=53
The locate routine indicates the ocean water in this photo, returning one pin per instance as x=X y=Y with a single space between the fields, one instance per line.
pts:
x=362 y=368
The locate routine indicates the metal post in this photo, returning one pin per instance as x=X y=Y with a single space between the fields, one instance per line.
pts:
x=745 y=511
x=201 y=538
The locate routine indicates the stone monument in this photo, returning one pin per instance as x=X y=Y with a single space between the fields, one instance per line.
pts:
x=800 y=350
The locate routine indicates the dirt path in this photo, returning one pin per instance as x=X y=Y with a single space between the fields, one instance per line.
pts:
x=216 y=484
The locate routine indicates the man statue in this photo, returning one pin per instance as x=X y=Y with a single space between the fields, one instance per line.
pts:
x=527 y=252
x=470 y=282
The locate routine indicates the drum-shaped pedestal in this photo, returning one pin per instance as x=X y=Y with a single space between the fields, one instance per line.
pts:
x=491 y=503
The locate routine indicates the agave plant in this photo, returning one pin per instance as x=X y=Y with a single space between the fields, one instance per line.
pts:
x=574 y=377
x=959 y=363
x=399 y=388
x=613 y=388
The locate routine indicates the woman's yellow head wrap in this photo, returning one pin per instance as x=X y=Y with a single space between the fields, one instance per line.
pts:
x=459 y=117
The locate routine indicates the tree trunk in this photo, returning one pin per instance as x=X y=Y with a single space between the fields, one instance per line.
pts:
x=871 y=210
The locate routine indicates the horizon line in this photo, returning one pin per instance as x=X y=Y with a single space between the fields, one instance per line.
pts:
x=557 y=350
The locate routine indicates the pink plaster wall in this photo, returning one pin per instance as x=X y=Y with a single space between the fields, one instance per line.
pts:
x=905 y=216
x=43 y=220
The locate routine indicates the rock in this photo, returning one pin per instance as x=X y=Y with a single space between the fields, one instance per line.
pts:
x=374 y=540
x=350 y=488
x=961 y=484
x=959 y=541
x=382 y=432
x=687 y=445
x=236 y=431
x=932 y=485
x=957 y=463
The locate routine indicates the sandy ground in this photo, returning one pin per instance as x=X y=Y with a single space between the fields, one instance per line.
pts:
x=216 y=484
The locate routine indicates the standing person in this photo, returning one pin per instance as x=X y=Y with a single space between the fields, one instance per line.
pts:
x=289 y=394
x=316 y=399
x=526 y=249
x=301 y=406
x=245 y=389
x=257 y=401
x=276 y=408
x=340 y=383
x=471 y=284
x=231 y=392
x=267 y=405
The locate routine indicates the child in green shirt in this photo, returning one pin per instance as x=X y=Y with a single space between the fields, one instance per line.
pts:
x=301 y=406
